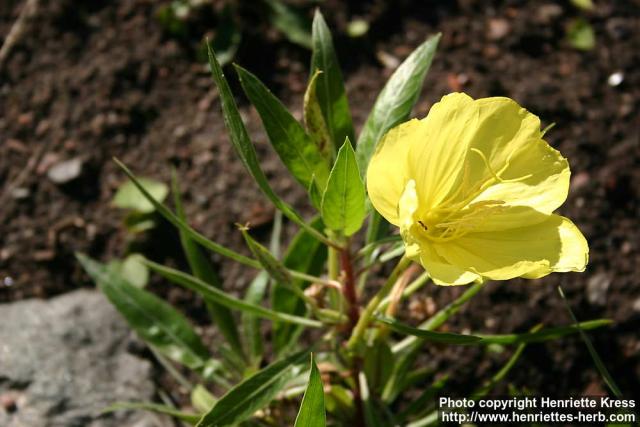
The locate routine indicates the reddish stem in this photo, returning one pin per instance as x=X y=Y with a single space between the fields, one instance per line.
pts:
x=349 y=289
x=351 y=296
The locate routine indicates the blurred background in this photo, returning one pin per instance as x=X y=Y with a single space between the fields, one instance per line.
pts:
x=83 y=81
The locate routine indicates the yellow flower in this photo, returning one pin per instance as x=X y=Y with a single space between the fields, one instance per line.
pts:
x=473 y=187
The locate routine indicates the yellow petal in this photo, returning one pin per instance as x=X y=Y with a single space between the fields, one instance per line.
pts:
x=441 y=272
x=465 y=144
x=509 y=137
x=388 y=173
x=437 y=154
x=407 y=207
x=534 y=251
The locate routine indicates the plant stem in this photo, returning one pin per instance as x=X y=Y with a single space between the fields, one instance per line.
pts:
x=350 y=295
x=349 y=287
x=372 y=306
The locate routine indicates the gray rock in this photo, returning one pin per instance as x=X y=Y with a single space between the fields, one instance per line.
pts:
x=64 y=360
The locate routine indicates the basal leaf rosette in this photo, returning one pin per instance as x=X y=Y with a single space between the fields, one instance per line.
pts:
x=473 y=187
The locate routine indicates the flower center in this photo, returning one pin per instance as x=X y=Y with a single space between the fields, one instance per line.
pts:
x=458 y=214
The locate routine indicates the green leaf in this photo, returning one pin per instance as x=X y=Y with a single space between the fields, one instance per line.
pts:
x=343 y=201
x=372 y=411
x=357 y=28
x=581 y=35
x=201 y=399
x=442 y=337
x=255 y=294
x=583 y=4
x=395 y=101
x=132 y=269
x=252 y=394
x=129 y=197
x=409 y=348
x=202 y=268
x=187 y=417
x=378 y=364
x=272 y=266
x=228 y=35
x=602 y=369
x=154 y=320
x=314 y=121
x=312 y=412
x=183 y=226
x=501 y=374
x=543 y=335
x=307 y=255
x=251 y=324
x=330 y=86
x=295 y=148
x=245 y=150
x=339 y=402
x=295 y=26
x=222 y=298
x=425 y=399
x=136 y=222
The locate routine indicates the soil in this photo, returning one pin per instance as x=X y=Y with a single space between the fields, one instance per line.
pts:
x=94 y=80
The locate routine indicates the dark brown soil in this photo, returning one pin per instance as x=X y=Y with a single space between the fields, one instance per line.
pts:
x=100 y=79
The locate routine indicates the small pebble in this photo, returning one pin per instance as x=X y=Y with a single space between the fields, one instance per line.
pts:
x=615 y=79
x=65 y=171
x=20 y=193
x=498 y=28
x=387 y=60
x=597 y=288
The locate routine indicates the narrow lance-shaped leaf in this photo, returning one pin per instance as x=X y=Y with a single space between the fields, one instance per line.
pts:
x=343 y=201
x=372 y=412
x=330 y=86
x=183 y=226
x=413 y=343
x=502 y=373
x=275 y=269
x=602 y=369
x=154 y=320
x=314 y=120
x=407 y=350
x=251 y=324
x=206 y=290
x=252 y=394
x=395 y=101
x=443 y=337
x=201 y=267
x=425 y=399
x=378 y=364
x=272 y=266
x=544 y=334
x=255 y=294
x=243 y=147
x=201 y=399
x=294 y=25
x=312 y=412
x=295 y=148
x=307 y=255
